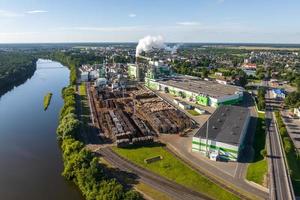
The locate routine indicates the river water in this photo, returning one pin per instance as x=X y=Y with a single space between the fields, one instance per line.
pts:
x=30 y=158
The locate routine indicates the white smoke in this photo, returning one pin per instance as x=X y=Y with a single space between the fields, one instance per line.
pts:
x=153 y=42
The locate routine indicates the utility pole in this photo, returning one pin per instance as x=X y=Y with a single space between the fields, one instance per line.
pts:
x=207 y=153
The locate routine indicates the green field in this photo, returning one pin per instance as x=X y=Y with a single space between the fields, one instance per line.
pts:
x=47 y=99
x=151 y=192
x=258 y=168
x=173 y=169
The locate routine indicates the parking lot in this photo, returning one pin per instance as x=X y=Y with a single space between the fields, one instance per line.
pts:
x=293 y=128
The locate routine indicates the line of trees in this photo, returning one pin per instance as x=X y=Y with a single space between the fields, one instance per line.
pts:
x=293 y=99
x=67 y=60
x=261 y=101
x=80 y=165
x=186 y=68
x=15 y=69
x=291 y=153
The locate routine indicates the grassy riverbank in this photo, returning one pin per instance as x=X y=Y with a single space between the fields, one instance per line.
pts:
x=173 y=169
x=47 y=100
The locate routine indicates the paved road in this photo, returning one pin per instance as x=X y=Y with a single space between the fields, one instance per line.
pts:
x=174 y=190
x=279 y=181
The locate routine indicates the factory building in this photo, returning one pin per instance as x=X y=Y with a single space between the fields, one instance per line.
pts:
x=224 y=135
x=207 y=93
x=135 y=72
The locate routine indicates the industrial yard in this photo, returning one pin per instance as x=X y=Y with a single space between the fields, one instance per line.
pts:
x=135 y=116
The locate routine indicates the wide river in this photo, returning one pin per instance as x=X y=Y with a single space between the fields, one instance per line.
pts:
x=30 y=158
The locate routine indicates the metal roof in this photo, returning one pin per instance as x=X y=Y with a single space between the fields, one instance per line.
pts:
x=199 y=86
x=225 y=125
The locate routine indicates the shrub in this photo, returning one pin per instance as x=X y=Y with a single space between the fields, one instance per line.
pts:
x=287 y=143
x=263 y=152
x=283 y=131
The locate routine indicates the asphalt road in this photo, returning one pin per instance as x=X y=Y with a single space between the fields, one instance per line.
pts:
x=174 y=190
x=279 y=181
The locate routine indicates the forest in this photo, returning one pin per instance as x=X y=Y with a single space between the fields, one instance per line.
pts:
x=15 y=69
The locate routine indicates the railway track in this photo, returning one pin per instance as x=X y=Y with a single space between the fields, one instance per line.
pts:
x=174 y=190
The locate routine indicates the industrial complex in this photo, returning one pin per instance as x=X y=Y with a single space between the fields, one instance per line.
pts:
x=207 y=93
x=222 y=136
x=128 y=112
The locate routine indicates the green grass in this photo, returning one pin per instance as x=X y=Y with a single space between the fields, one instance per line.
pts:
x=257 y=170
x=85 y=110
x=82 y=90
x=175 y=170
x=151 y=192
x=193 y=112
x=259 y=167
x=254 y=80
x=47 y=99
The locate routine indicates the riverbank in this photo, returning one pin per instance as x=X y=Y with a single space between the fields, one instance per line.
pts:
x=15 y=69
x=47 y=100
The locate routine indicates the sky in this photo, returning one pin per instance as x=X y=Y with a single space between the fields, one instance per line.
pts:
x=233 y=21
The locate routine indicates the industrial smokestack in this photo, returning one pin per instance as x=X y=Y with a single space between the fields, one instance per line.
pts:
x=153 y=42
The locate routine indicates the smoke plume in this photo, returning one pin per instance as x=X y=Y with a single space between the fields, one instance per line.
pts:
x=153 y=42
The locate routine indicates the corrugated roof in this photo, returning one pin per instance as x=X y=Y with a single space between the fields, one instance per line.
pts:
x=225 y=124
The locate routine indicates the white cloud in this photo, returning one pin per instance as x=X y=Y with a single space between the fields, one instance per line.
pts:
x=132 y=15
x=104 y=29
x=188 y=23
x=36 y=11
x=7 y=13
x=220 y=1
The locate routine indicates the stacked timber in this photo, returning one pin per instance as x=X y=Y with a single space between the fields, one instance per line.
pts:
x=123 y=142
x=142 y=140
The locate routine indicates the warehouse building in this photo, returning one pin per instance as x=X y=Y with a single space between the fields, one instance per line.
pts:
x=224 y=136
x=207 y=93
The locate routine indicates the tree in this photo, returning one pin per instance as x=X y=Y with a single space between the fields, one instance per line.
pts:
x=283 y=131
x=263 y=153
x=297 y=82
x=287 y=145
x=132 y=195
x=292 y=100
x=205 y=73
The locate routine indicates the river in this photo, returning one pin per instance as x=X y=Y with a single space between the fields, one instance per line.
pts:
x=30 y=158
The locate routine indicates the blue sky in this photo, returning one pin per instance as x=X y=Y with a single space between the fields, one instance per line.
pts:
x=266 y=21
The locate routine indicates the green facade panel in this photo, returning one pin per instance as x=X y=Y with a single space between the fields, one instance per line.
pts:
x=231 y=102
x=202 y=100
x=231 y=154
